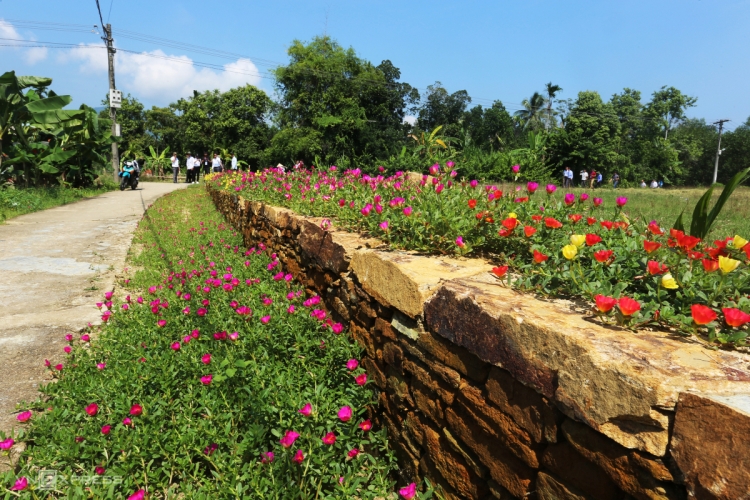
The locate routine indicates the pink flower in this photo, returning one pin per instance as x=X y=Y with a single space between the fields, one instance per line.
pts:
x=234 y=336
x=206 y=359
x=126 y=421
x=352 y=364
x=265 y=319
x=206 y=379
x=85 y=338
x=532 y=186
x=365 y=425
x=621 y=201
x=474 y=183
x=583 y=197
x=20 y=485
x=306 y=410
x=99 y=471
x=516 y=168
x=125 y=307
x=106 y=429
x=69 y=337
x=59 y=367
x=345 y=413
x=161 y=323
x=92 y=409
x=597 y=202
x=7 y=444
x=195 y=334
x=210 y=449
x=460 y=242
x=408 y=492
x=108 y=295
x=353 y=453
x=24 y=416
x=408 y=211
x=139 y=300
x=67 y=349
x=138 y=495
x=290 y=309
x=289 y=438
x=266 y=457
x=299 y=457
x=551 y=188
x=361 y=379
x=201 y=311
x=175 y=346
x=337 y=328
x=329 y=438
x=384 y=226
x=47 y=363
x=101 y=366
x=570 y=198
x=136 y=410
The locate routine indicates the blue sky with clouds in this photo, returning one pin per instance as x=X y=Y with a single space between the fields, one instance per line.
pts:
x=498 y=49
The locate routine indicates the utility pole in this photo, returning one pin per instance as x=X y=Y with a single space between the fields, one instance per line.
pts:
x=112 y=110
x=718 y=148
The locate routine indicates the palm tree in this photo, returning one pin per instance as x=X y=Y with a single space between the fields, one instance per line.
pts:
x=552 y=90
x=531 y=115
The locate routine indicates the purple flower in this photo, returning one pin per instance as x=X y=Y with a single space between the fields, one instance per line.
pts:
x=570 y=198
x=621 y=201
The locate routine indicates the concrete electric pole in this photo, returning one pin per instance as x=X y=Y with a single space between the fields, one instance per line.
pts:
x=115 y=98
x=718 y=148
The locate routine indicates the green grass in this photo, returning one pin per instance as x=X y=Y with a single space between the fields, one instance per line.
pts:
x=20 y=201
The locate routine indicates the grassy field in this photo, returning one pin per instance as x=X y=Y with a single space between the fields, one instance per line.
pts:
x=665 y=205
x=20 y=201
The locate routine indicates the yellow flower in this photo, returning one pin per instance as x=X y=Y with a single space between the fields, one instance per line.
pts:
x=727 y=265
x=667 y=281
x=739 y=242
x=578 y=240
x=570 y=251
x=513 y=215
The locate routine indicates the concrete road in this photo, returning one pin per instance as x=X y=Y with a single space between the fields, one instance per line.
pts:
x=55 y=265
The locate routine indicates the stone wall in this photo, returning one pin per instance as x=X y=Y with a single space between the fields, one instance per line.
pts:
x=494 y=394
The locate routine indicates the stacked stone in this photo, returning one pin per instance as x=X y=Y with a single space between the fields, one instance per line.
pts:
x=472 y=399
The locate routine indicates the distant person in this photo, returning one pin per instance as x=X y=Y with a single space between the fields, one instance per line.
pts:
x=567 y=178
x=599 y=179
x=615 y=180
x=189 y=169
x=592 y=179
x=643 y=183
x=661 y=184
x=206 y=164
x=654 y=184
x=175 y=167
x=216 y=164
x=584 y=177
x=234 y=162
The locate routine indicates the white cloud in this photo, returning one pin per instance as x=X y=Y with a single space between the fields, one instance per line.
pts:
x=411 y=120
x=14 y=38
x=161 y=77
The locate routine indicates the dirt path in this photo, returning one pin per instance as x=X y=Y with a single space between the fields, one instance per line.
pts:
x=54 y=265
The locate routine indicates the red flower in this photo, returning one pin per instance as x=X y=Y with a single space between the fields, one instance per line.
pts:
x=603 y=255
x=656 y=268
x=136 y=410
x=710 y=265
x=628 y=306
x=510 y=223
x=505 y=232
x=536 y=218
x=539 y=257
x=575 y=217
x=694 y=255
x=655 y=229
x=472 y=204
x=552 y=223
x=92 y=409
x=605 y=304
x=497 y=194
x=500 y=271
x=607 y=224
x=590 y=221
x=702 y=315
x=735 y=317
x=687 y=243
x=529 y=231
x=592 y=239
x=651 y=246
x=522 y=199
x=676 y=233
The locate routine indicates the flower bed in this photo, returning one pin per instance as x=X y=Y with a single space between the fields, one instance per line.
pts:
x=220 y=379
x=635 y=273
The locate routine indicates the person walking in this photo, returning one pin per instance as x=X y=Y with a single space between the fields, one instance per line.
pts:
x=592 y=179
x=567 y=178
x=216 y=164
x=206 y=164
x=189 y=169
x=175 y=167
x=234 y=162
x=615 y=180
x=599 y=179
x=584 y=177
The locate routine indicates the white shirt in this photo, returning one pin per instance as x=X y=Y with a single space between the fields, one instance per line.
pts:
x=216 y=162
x=175 y=162
x=568 y=174
x=234 y=163
x=190 y=163
x=584 y=175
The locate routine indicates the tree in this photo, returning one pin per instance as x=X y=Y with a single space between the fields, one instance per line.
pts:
x=736 y=151
x=531 y=117
x=438 y=108
x=552 y=91
x=490 y=127
x=132 y=122
x=667 y=108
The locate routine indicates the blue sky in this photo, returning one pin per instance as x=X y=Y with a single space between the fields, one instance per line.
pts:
x=494 y=49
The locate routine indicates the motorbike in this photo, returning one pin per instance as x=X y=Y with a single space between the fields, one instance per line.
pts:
x=129 y=176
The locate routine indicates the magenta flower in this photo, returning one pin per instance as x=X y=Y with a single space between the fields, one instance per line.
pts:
x=136 y=410
x=583 y=197
x=210 y=449
x=289 y=438
x=24 y=416
x=266 y=457
x=621 y=201
x=201 y=311
x=570 y=198
x=361 y=379
x=175 y=346
x=345 y=413
x=353 y=453
x=439 y=188
x=220 y=336
x=195 y=334
x=69 y=338
x=352 y=364
x=365 y=425
x=99 y=471
x=106 y=429
x=337 y=328
x=265 y=319
x=306 y=410
x=384 y=226
x=435 y=169
x=161 y=323
x=59 y=367
x=139 y=300
x=407 y=211
x=234 y=336
x=551 y=188
x=126 y=421
x=408 y=492
x=531 y=187
x=290 y=309
x=101 y=366
x=474 y=183
x=299 y=457
x=7 y=444
x=92 y=409
x=516 y=168
x=108 y=295
x=329 y=438
x=20 y=485
x=138 y=495
x=206 y=359
x=206 y=379
x=597 y=202
x=67 y=349
x=460 y=242
x=125 y=307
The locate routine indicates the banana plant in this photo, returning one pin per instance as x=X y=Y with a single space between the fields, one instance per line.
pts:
x=430 y=144
x=158 y=160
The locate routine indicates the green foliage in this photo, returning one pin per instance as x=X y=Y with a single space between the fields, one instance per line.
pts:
x=19 y=201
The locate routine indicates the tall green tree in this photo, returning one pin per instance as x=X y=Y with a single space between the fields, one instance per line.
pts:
x=439 y=107
x=667 y=108
x=531 y=117
x=491 y=128
x=552 y=91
